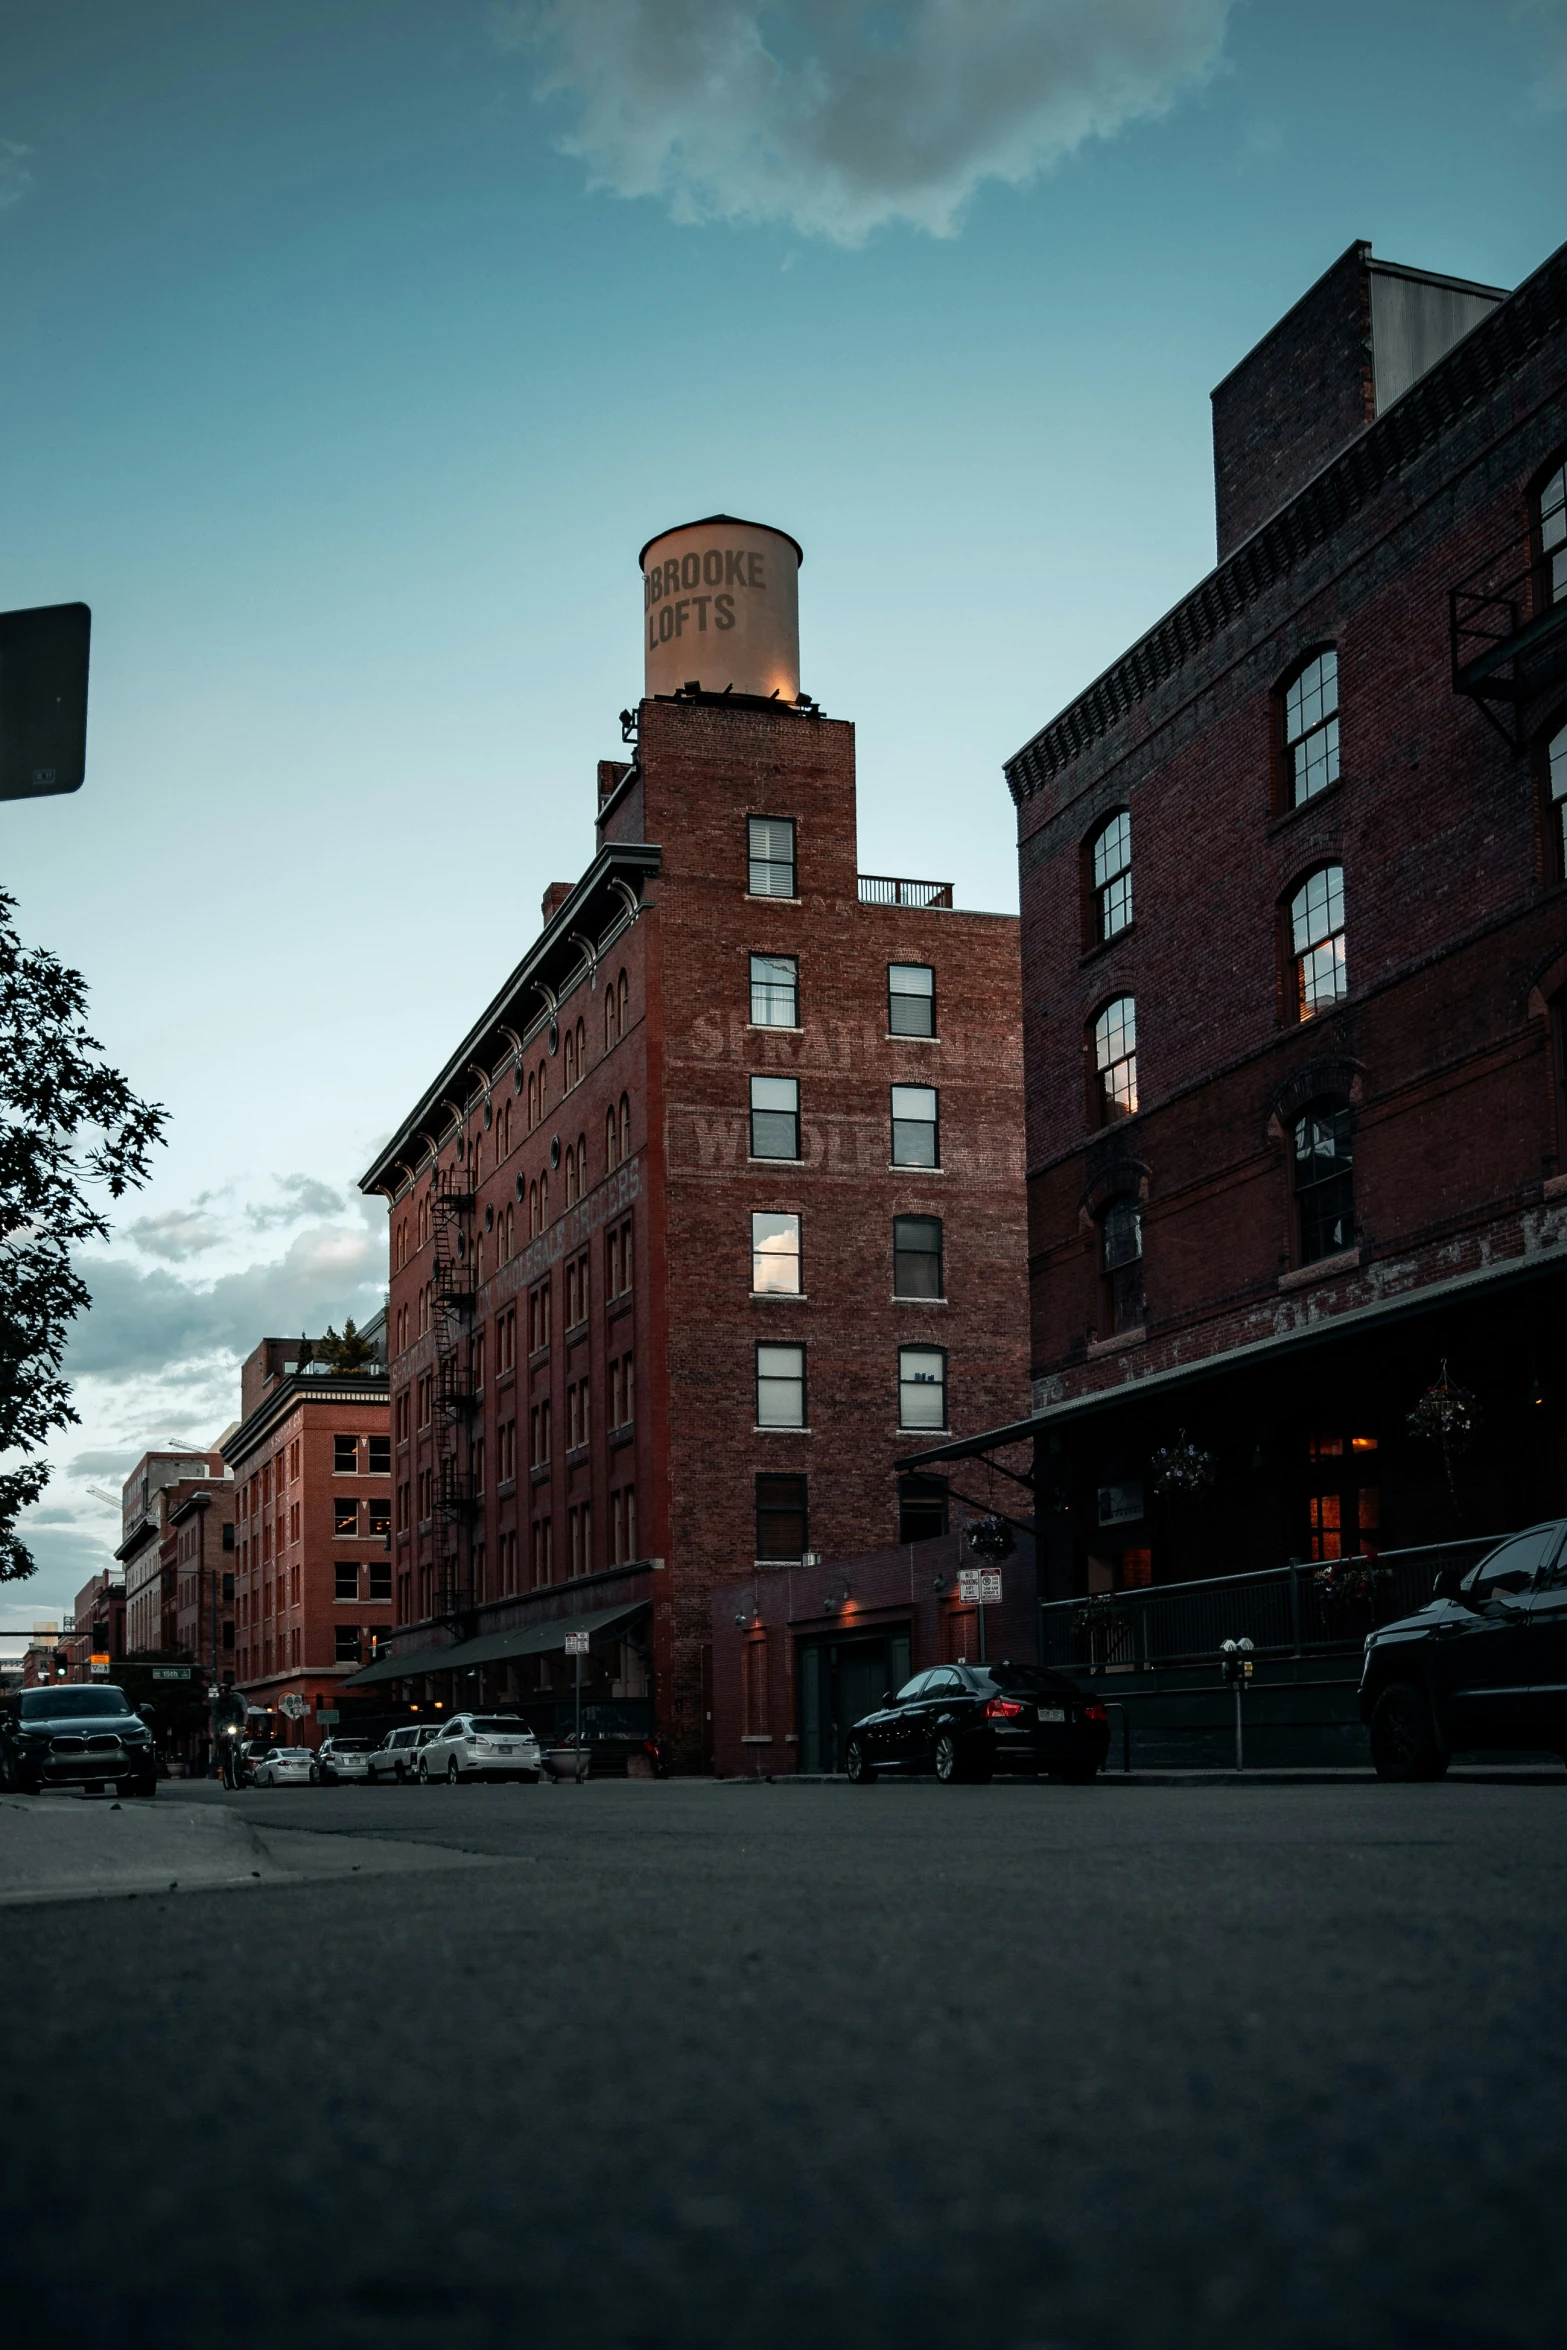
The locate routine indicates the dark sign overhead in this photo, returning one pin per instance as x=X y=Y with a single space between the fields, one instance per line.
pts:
x=43 y=700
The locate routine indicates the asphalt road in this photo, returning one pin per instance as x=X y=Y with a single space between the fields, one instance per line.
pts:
x=665 y=2067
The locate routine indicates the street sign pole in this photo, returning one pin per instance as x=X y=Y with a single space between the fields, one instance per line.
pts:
x=577 y=1649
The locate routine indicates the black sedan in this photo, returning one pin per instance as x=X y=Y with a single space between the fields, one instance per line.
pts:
x=1482 y=1668
x=969 y=1721
x=76 y=1736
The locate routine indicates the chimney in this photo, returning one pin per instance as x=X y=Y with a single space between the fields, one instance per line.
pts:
x=555 y=897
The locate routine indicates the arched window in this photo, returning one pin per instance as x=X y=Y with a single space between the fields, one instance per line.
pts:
x=1112 y=862
x=533 y=1209
x=533 y=1103
x=511 y=1232
x=622 y=1001
x=625 y=1127
x=571 y=1059
x=1115 y=1058
x=582 y=1166
x=1311 y=728
x=544 y=1201
x=1121 y=1236
x=1553 y=534
x=544 y=1087
x=1317 y=941
x=1325 y=1181
x=582 y=1050
x=611 y=1138
x=1556 y=788
x=610 y=1030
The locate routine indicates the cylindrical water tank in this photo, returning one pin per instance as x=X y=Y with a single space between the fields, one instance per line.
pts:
x=721 y=609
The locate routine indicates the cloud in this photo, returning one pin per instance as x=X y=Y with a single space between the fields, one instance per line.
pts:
x=840 y=117
x=118 y=1463
x=303 y=1195
x=15 y=179
x=1548 y=87
x=176 y=1234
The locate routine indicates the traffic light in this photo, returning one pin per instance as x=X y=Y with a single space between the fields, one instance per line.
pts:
x=43 y=700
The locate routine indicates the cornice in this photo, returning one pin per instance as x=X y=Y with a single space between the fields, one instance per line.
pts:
x=347 y=1387
x=1470 y=373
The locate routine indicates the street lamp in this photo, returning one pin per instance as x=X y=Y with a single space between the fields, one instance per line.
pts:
x=1237 y=1655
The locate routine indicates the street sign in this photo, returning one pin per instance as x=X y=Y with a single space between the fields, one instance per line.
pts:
x=43 y=700
x=98 y=1664
x=979 y=1586
x=171 y=1672
x=576 y=1644
x=326 y=1713
x=292 y=1704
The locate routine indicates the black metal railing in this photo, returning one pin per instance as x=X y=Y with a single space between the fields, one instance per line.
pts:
x=1293 y=1610
x=887 y=889
x=1508 y=622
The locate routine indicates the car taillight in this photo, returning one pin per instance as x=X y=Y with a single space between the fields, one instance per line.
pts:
x=1095 y=1713
x=1003 y=1709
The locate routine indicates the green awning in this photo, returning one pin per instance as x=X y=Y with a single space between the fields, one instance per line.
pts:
x=495 y=1648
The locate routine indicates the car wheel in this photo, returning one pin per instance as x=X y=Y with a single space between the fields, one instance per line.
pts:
x=1403 y=1736
x=858 y=1765
x=319 y=1778
x=424 y=1772
x=451 y=1771
x=951 y=1765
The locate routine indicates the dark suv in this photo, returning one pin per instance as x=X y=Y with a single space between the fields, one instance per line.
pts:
x=1482 y=1667
x=74 y=1736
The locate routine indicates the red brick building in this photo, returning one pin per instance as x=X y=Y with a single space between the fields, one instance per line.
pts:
x=160 y=1483
x=97 y=1626
x=1295 y=967
x=717 y=1201
x=312 y=1566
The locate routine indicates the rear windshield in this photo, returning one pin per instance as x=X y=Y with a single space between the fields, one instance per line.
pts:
x=352 y=1745
x=66 y=1705
x=1028 y=1678
x=502 y=1728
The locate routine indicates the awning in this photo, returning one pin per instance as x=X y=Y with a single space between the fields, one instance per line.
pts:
x=1322 y=1330
x=496 y=1647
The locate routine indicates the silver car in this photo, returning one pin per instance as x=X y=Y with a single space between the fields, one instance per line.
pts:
x=480 y=1746
x=343 y=1758
x=397 y=1756
x=286 y=1766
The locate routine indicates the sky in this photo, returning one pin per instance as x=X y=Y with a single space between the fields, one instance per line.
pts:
x=354 y=347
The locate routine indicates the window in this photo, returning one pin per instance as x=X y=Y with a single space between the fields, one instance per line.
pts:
x=915 y=1142
x=780 y=1387
x=345 y=1517
x=1317 y=941
x=916 y=1257
x=1344 y=1501
x=622 y=1392
x=1325 y=1182
x=380 y=1517
x=922 y=1508
x=625 y=1126
x=922 y=1387
x=1514 y=1567
x=542 y=1551
x=775 y=1118
x=579 y=1523
x=1112 y=850
x=345 y=1580
x=345 y=1643
x=775 y=1255
x=1311 y=728
x=775 y=991
x=1122 y=1236
x=911 y=999
x=1115 y=1058
x=1553 y=535
x=345 y=1456
x=1556 y=780
x=577 y=1291
x=623 y=1525
x=538 y=1318
x=380 y=1456
x=781 y=1519
x=772 y=856
x=539 y=1428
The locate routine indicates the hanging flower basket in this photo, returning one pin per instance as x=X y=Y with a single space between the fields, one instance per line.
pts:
x=1350 y=1582
x=1182 y=1470
x=991 y=1538
x=1447 y=1415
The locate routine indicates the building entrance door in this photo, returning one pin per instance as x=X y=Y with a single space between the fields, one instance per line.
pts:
x=839 y=1680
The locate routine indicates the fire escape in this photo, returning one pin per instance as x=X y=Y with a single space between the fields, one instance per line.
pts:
x=1508 y=620
x=451 y=1211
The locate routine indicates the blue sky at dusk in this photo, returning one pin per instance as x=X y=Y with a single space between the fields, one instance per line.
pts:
x=353 y=349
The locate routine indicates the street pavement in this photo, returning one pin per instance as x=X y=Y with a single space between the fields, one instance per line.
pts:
x=677 y=2066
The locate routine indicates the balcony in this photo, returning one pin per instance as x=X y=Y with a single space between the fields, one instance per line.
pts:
x=886 y=889
x=1508 y=622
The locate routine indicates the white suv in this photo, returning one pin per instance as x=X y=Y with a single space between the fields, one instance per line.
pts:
x=397 y=1755
x=480 y=1746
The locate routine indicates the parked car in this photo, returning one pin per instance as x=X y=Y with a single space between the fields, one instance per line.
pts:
x=1483 y=1666
x=969 y=1721
x=75 y=1736
x=286 y=1766
x=252 y=1753
x=397 y=1756
x=344 y=1758
x=480 y=1746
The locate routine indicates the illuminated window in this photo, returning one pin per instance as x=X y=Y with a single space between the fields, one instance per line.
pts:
x=1344 y=1498
x=1325 y=1182
x=1317 y=941
x=775 y=991
x=771 y=868
x=775 y=1255
x=1553 y=534
x=1113 y=875
x=1115 y=1057
x=1311 y=728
